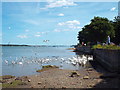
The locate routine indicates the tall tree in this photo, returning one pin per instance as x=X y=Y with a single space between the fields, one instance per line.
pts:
x=97 y=30
x=116 y=24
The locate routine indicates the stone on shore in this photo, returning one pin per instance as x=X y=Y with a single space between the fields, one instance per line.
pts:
x=47 y=67
x=86 y=77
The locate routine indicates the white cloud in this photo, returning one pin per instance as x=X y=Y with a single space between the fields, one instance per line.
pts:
x=43 y=32
x=62 y=30
x=21 y=36
x=56 y=30
x=38 y=32
x=68 y=26
x=113 y=9
x=74 y=27
x=61 y=14
x=9 y=28
x=32 y=22
x=59 y=3
x=69 y=23
x=27 y=30
x=37 y=35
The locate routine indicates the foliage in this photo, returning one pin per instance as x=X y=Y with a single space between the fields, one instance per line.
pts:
x=96 y=31
x=116 y=25
x=113 y=47
x=96 y=46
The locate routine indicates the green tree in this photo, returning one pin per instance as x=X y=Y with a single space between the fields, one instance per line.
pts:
x=116 y=24
x=97 y=30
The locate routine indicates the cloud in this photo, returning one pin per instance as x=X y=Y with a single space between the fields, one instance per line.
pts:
x=56 y=30
x=113 y=9
x=22 y=36
x=9 y=28
x=37 y=35
x=61 y=14
x=27 y=30
x=59 y=3
x=62 y=30
x=32 y=22
x=69 y=23
x=72 y=25
x=43 y=32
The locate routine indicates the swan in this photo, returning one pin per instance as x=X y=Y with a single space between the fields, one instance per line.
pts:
x=90 y=58
x=13 y=62
x=6 y=61
x=20 y=63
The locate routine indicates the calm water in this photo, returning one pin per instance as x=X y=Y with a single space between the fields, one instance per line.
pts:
x=24 y=60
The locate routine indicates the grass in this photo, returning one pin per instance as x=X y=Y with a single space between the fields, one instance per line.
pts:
x=15 y=83
x=112 y=47
x=47 y=67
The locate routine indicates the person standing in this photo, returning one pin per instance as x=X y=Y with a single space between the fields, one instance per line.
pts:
x=108 y=40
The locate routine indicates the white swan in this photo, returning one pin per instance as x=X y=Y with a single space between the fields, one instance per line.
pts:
x=13 y=62
x=6 y=61
x=20 y=63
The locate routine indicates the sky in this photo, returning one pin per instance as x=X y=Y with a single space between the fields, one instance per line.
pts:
x=50 y=23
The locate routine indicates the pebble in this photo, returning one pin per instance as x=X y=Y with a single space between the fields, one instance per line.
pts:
x=31 y=87
x=99 y=80
x=90 y=69
x=64 y=87
x=29 y=80
x=86 y=77
x=91 y=85
x=44 y=86
x=18 y=78
x=39 y=82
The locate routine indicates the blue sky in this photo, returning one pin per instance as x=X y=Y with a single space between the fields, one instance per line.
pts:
x=57 y=21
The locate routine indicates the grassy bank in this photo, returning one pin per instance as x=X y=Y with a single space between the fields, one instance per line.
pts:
x=113 y=47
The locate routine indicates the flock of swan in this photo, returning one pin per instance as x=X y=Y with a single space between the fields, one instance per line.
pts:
x=74 y=60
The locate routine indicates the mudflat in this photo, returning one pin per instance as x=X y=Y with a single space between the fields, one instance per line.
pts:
x=58 y=78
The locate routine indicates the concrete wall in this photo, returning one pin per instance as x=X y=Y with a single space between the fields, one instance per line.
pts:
x=85 y=49
x=110 y=59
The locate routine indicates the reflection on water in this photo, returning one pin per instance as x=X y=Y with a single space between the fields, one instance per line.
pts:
x=25 y=60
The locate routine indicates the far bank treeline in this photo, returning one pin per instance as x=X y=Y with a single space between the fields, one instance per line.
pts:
x=98 y=30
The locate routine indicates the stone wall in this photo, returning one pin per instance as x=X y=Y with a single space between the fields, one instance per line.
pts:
x=85 y=49
x=110 y=59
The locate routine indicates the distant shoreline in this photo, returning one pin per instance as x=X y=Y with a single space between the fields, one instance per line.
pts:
x=38 y=45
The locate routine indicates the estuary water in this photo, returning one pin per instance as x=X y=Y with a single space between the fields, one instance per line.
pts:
x=25 y=60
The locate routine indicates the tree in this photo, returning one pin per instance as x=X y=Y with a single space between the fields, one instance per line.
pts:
x=116 y=24
x=97 y=30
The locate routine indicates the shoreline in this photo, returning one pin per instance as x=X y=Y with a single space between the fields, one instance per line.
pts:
x=59 y=78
